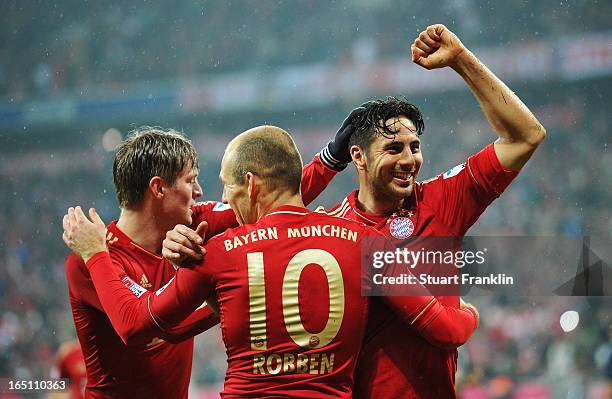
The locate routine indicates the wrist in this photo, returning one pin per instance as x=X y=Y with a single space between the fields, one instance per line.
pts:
x=463 y=61
x=330 y=160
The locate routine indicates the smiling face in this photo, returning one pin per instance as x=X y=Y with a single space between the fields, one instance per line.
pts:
x=393 y=162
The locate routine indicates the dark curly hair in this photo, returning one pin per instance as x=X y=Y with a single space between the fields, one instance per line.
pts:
x=370 y=122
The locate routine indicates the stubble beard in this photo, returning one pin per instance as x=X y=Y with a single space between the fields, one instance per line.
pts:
x=387 y=193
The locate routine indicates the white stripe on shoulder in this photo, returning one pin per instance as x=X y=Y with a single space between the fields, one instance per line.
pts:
x=340 y=212
x=340 y=209
x=346 y=209
x=333 y=212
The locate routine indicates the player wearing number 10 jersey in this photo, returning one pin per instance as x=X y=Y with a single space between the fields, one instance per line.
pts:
x=288 y=287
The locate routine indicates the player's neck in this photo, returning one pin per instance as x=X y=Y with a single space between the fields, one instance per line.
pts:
x=142 y=229
x=368 y=202
x=273 y=200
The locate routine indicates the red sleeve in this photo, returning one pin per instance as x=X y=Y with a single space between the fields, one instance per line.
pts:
x=315 y=178
x=83 y=292
x=219 y=216
x=139 y=315
x=202 y=319
x=189 y=288
x=440 y=325
x=461 y=194
x=80 y=286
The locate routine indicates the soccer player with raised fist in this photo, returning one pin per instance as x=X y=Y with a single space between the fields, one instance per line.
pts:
x=385 y=147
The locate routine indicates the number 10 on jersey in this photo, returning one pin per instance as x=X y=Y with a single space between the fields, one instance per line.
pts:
x=291 y=310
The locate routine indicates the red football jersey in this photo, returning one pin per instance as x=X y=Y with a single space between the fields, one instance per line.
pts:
x=288 y=290
x=70 y=364
x=148 y=367
x=397 y=362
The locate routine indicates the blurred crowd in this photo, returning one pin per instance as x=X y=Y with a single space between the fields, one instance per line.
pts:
x=71 y=46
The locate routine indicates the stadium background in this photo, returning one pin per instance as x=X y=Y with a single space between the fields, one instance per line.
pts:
x=76 y=76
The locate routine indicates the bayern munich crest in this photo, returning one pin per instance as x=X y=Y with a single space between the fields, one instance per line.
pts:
x=401 y=227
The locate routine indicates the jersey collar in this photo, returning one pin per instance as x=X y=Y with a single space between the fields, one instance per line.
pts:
x=288 y=209
x=408 y=208
x=114 y=236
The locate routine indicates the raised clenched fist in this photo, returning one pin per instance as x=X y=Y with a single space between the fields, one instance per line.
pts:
x=436 y=47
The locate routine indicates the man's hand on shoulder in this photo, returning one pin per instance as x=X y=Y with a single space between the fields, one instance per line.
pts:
x=85 y=237
x=183 y=244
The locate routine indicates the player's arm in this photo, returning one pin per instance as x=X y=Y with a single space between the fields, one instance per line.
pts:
x=202 y=319
x=136 y=318
x=139 y=318
x=82 y=291
x=460 y=195
x=518 y=129
x=440 y=325
x=333 y=158
x=315 y=178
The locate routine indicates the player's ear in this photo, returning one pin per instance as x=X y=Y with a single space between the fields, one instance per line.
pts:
x=358 y=156
x=252 y=186
x=156 y=187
